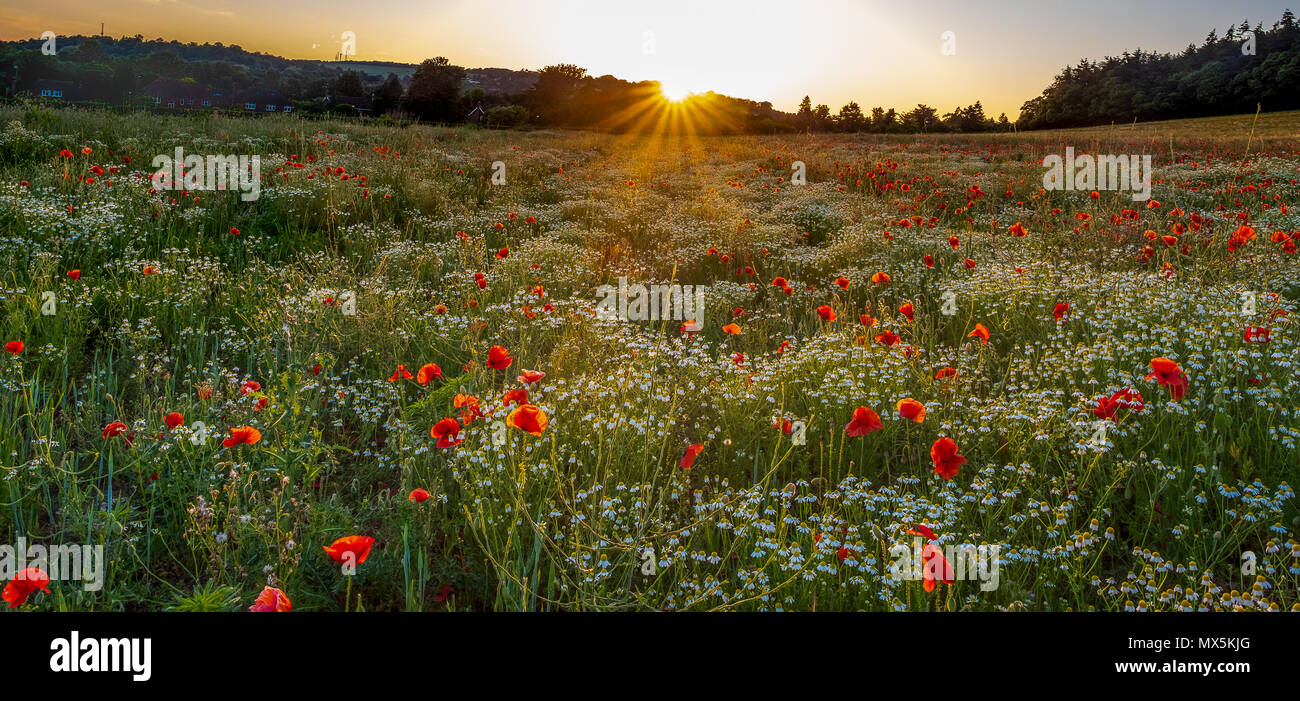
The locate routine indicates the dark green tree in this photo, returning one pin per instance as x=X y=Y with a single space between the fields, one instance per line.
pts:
x=850 y=118
x=349 y=84
x=434 y=94
x=388 y=96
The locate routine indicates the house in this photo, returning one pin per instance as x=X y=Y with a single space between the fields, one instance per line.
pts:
x=261 y=102
x=182 y=94
x=476 y=115
x=59 y=90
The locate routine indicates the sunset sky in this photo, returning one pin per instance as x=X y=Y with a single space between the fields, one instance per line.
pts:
x=876 y=52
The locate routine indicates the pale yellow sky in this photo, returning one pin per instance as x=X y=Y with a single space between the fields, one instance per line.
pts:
x=875 y=52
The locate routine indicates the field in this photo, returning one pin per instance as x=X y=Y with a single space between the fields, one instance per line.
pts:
x=759 y=463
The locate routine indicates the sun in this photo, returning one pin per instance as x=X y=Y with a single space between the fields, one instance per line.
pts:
x=673 y=92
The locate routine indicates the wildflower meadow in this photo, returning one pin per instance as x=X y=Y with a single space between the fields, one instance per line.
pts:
x=389 y=367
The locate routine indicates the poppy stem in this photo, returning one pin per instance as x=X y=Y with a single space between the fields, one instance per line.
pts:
x=347 y=598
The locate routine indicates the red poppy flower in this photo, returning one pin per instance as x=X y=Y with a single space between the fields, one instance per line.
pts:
x=1167 y=373
x=935 y=568
x=23 y=585
x=1127 y=398
x=864 y=421
x=1018 y=229
x=1257 y=334
x=970 y=264
x=429 y=372
x=731 y=329
x=980 y=332
x=826 y=312
x=888 y=338
x=911 y=409
x=528 y=418
x=954 y=242
x=906 y=310
x=116 y=428
x=503 y=253
x=528 y=377
x=445 y=431
x=922 y=530
x=174 y=419
x=1060 y=310
x=14 y=347
x=401 y=373
x=75 y=274
x=692 y=451
x=929 y=260
x=843 y=282
x=419 y=495
x=250 y=386
x=945 y=458
x=880 y=278
x=499 y=358
x=315 y=370
x=945 y=373
x=352 y=549
x=515 y=396
x=242 y=435
x=271 y=600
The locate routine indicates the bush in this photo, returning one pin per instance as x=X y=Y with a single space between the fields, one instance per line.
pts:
x=504 y=117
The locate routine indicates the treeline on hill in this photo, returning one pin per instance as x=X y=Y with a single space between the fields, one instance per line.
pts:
x=110 y=70
x=1225 y=75
x=115 y=71
x=920 y=119
x=119 y=71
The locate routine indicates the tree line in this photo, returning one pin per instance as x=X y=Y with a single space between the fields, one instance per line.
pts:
x=1228 y=74
x=920 y=119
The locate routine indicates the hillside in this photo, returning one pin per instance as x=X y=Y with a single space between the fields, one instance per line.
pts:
x=502 y=81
